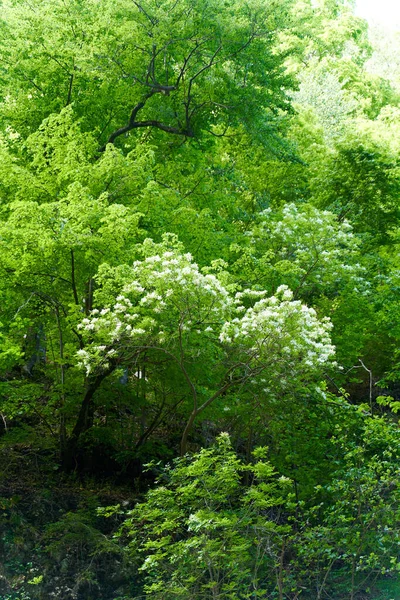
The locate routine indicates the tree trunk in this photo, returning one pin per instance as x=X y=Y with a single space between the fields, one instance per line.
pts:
x=186 y=432
x=83 y=423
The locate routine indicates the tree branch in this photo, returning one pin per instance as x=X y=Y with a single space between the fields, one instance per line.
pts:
x=133 y=124
x=74 y=290
x=71 y=81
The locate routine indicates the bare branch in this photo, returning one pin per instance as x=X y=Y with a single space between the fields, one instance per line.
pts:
x=152 y=20
x=163 y=127
x=74 y=290
x=192 y=79
x=370 y=382
x=71 y=81
x=183 y=369
x=133 y=124
x=186 y=61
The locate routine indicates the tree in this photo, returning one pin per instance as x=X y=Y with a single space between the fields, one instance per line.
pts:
x=302 y=247
x=76 y=80
x=201 y=534
x=180 y=68
x=359 y=179
x=167 y=307
x=352 y=526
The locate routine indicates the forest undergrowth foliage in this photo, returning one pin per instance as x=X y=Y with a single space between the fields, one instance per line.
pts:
x=199 y=316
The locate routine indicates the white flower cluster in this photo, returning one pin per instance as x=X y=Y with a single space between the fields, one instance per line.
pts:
x=110 y=326
x=319 y=247
x=173 y=280
x=282 y=330
x=165 y=293
x=327 y=235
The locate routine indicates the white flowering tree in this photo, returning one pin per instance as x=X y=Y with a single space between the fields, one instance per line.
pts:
x=308 y=249
x=167 y=310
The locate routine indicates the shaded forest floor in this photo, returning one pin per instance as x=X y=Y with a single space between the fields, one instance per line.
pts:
x=52 y=543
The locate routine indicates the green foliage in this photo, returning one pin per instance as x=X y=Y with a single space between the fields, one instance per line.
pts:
x=353 y=524
x=181 y=68
x=198 y=208
x=302 y=247
x=202 y=533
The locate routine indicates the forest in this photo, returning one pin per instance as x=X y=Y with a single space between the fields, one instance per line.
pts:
x=199 y=301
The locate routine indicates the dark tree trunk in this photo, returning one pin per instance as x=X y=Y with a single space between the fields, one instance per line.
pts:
x=83 y=422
